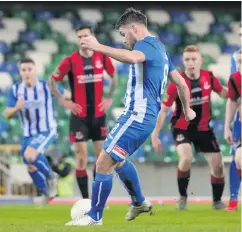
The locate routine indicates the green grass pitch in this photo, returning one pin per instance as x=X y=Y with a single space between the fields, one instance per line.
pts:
x=199 y=218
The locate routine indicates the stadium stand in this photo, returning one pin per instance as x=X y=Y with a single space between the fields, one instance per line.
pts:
x=47 y=36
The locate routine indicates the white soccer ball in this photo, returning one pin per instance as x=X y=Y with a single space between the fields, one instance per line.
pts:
x=80 y=208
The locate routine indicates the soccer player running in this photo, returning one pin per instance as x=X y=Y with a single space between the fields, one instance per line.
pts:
x=31 y=100
x=85 y=70
x=197 y=132
x=234 y=180
x=148 y=72
x=233 y=105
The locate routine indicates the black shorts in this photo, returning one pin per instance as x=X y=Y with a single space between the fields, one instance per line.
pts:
x=83 y=129
x=203 y=141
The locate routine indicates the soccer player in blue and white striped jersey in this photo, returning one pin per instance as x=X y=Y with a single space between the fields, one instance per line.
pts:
x=32 y=101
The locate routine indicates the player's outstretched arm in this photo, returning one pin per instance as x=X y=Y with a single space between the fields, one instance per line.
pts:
x=183 y=93
x=156 y=143
x=231 y=108
x=122 y=55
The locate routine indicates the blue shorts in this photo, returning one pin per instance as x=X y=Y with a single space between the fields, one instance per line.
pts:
x=127 y=136
x=39 y=142
x=236 y=133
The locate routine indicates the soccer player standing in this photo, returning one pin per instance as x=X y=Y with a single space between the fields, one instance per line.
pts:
x=234 y=101
x=32 y=101
x=148 y=73
x=85 y=69
x=201 y=83
x=234 y=180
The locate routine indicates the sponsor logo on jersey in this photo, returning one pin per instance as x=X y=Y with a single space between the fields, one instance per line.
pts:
x=206 y=86
x=196 y=90
x=88 y=67
x=180 y=137
x=199 y=100
x=98 y=64
x=89 y=78
x=119 y=151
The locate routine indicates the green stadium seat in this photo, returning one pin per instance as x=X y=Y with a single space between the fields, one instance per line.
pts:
x=15 y=57
x=21 y=48
x=171 y=49
x=155 y=27
x=2 y=101
x=23 y=14
x=176 y=28
x=58 y=57
x=70 y=14
x=69 y=48
x=190 y=39
x=215 y=38
x=110 y=16
x=196 y=31
x=207 y=60
x=224 y=18
x=58 y=37
x=41 y=27
x=15 y=126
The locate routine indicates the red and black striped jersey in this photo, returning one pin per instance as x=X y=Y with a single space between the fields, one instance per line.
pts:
x=85 y=77
x=200 y=101
x=234 y=86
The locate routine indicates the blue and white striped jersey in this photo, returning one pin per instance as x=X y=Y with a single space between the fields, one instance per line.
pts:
x=147 y=80
x=37 y=113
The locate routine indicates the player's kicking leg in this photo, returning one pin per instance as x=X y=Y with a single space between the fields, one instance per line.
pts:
x=123 y=140
x=101 y=189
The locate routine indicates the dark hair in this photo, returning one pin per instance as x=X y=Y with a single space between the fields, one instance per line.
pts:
x=26 y=60
x=131 y=16
x=85 y=26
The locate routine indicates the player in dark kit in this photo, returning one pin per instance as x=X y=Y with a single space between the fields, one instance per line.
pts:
x=201 y=83
x=234 y=104
x=85 y=69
